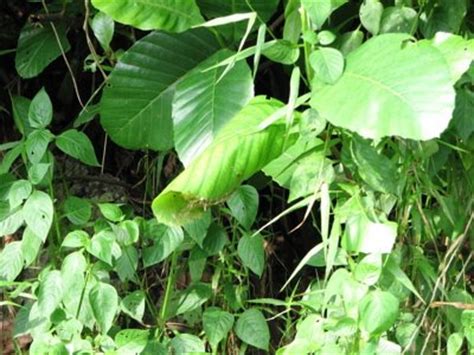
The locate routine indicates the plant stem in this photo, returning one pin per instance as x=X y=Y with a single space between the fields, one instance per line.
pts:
x=169 y=289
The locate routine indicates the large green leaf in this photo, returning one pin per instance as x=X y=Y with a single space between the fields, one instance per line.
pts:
x=37 y=48
x=252 y=328
x=136 y=104
x=391 y=87
x=104 y=302
x=204 y=102
x=237 y=153
x=168 y=15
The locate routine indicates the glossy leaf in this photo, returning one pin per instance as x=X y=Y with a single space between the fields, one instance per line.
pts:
x=77 y=210
x=37 y=143
x=398 y=19
x=131 y=341
x=37 y=48
x=133 y=305
x=204 y=102
x=136 y=104
x=77 y=145
x=104 y=301
x=38 y=213
x=168 y=15
x=101 y=246
x=371 y=14
x=252 y=328
x=237 y=153
x=406 y=91
x=103 y=27
x=282 y=51
x=328 y=64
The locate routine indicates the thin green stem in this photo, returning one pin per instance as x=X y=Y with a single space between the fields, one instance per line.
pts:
x=169 y=289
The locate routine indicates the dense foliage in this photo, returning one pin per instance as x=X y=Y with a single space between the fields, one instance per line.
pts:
x=230 y=177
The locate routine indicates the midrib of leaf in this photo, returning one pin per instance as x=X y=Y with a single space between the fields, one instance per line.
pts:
x=380 y=85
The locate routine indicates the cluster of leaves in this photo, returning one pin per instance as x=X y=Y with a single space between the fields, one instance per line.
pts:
x=373 y=143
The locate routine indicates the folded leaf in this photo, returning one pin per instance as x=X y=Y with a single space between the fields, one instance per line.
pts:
x=239 y=151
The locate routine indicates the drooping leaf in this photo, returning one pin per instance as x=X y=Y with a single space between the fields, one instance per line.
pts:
x=168 y=15
x=136 y=104
x=319 y=11
x=204 y=102
x=238 y=152
x=77 y=145
x=328 y=64
x=37 y=48
x=252 y=328
x=243 y=204
x=40 y=112
x=371 y=14
x=20 y=108
x=104 y=302
x=378 y=311
x=50 y=293
x=11 y=261
x=38 y=213
x=103 y=27
x=252 y=253
x=405 y=91
x=217 y=324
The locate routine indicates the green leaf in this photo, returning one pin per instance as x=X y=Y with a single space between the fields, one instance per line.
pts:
x=37 y=144
x=87 y=114
x=19 y=191
x=252 y=253
x=30 y=246
x=133 y=305
x=37 y=48
x=328 y=64
x=111 y=211
x=459 y=52
x=370 y=15
x=103 y=27
x=282 y=51
x=217 y=324
x=405 y=91
x=455 y=343
x=379 y=172
x=350 y=41
x=37 y=172
x=467 y=321
x=212 y=100
x=76 y=239
x=378 y=311
x=77 y=210
x=131 y=341
x=197 y=229
x=187 y=344
x=220 y=8
x=11 y=261
x=237 y=153
x=40 y=112
x=399 y=19
x=126 y=265
x=215 y=240
x=368 y=270
x=444 y=16
x=72 y=272
x=165 y=243
x=77 y=145
x=319 y=11
x=191 y=298
x=50 y=293
x=243 y=204
x=38 y=213
x=101 y=246
x=20 y=108
x=136 y=103
x=252 y=328
x=10 y=223
x=168 y=15
x=104 y=302
x=363 y=235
